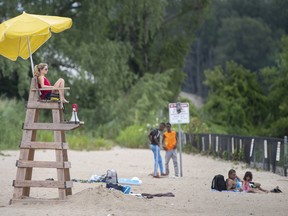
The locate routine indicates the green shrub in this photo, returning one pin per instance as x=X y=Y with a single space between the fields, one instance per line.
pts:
x=12 y=115
x=134 y=136
x=225 y=155
x=87 y=142
x=238 y=156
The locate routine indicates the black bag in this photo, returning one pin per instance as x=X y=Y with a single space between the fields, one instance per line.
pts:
x=115 y=186
x=218 y=183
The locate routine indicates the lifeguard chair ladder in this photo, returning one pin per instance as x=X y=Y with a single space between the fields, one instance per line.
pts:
x=29 y=144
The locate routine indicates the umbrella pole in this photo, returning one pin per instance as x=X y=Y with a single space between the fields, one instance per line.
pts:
x=31 y=59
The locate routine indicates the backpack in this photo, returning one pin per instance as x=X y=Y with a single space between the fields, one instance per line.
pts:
x=112 y=182
x=111 y=176
x=218 y=183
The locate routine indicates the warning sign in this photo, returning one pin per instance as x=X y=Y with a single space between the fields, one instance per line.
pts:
x=179 y=113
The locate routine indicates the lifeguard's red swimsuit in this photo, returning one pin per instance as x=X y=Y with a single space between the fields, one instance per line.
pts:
x=45 y=92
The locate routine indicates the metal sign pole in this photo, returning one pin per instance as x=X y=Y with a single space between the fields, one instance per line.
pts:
x=285 y=155
x=180 y=144
x=179 y=114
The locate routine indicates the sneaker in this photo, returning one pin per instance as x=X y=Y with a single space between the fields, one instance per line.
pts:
x=164 y=174
x=156 y=176
x=276 y=190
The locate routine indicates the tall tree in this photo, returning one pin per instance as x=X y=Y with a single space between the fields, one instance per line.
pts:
x=235 y=98
x=276 y=84
x=246 y=41
x=132 y=39
x=233 y=31
x=113 y=44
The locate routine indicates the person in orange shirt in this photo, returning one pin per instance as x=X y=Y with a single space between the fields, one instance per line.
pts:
x=170 y=146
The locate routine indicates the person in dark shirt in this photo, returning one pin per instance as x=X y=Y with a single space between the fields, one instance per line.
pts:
x=155 y=138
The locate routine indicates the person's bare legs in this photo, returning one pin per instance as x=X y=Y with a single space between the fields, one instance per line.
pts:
x=258 y=185
x=261 y=189
x=60 y=83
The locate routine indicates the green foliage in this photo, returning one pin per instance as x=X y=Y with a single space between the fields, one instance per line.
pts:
x=247 y=32
x=86 y=142
x=276 y=81
x=134 y=136
x=235 y=98
x=108 y=79
x=45 y=136
x=191 y=149
x=239 y=41
x=123 y=61
x=158 y=31
x=215 y=128
x=238 y=155
x=195 y=126
x=116 y=57
x=12 y=116
x=224 y=155
x=145 y=101
x=14 y=78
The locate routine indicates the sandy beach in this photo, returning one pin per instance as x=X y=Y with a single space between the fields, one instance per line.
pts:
x=192 y=191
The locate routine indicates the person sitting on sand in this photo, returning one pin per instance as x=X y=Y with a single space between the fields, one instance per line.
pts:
x=251 y=187
x=233 y=182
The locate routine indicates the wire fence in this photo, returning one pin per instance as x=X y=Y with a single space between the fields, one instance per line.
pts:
x=259 y=152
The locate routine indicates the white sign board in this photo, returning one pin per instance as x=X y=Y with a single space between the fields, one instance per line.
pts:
x=179 y=118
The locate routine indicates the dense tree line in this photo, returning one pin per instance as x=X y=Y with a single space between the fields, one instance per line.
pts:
x=123 y=59
x=238 y=63
x=247 y=32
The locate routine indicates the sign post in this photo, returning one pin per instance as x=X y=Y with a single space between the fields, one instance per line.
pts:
x=179 y=114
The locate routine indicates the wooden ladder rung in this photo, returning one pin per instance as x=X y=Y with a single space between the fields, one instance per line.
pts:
x=43 y=104
x=27 y=200
x=49 y=88
x=51 y=126
x=43 y=164
x=44 y=145
x=46 y=183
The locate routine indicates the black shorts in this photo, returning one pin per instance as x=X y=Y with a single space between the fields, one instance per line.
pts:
x=48 y=96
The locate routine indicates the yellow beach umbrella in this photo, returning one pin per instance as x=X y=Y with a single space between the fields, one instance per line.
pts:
x=21 y=36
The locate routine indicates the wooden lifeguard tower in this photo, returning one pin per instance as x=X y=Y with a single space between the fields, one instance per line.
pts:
x=29 y=144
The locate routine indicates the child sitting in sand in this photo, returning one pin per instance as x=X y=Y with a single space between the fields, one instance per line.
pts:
x=251 y=187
